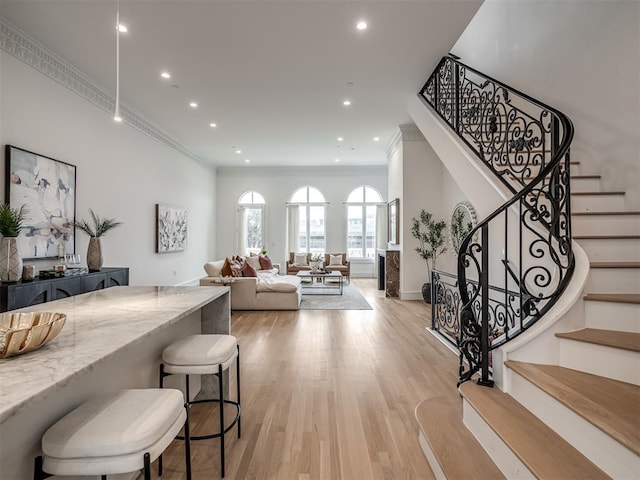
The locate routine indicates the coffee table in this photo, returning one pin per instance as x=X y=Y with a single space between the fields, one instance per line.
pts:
x=318 y=282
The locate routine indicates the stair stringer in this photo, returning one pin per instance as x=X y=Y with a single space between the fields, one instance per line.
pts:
x=486 y=192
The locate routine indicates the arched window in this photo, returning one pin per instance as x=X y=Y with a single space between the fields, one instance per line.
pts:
x=363 y=204
x=306 y=222
x=251 y=210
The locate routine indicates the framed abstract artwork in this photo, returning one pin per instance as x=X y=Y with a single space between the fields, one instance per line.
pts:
x=47 y=189
x=171 y=229
x=393 y=209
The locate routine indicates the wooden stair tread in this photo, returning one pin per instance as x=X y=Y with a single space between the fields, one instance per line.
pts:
x=615 y=264
x=608 y=338
x=542 y=450
x=597 y=193
x=610 y=405
x=440 y=421
x=613 y=297
x=606 y=237
x=606 y=213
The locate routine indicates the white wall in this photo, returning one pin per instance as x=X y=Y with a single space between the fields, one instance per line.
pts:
x=121 y=174
x=581 y=57
x=276 y=185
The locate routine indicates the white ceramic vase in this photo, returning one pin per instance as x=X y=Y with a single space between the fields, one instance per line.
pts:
x=94 y=255
x=10 y=260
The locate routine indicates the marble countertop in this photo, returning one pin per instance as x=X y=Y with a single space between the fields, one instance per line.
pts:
x=99 y=325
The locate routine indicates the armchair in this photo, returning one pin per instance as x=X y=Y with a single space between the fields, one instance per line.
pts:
x=343 y=265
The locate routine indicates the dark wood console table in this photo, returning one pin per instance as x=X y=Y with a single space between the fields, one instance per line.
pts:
x=24 y=294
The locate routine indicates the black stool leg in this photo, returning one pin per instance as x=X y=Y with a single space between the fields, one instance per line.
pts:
x=187 y=443
x=147 y=468
x=221 y=398
x=238 y=388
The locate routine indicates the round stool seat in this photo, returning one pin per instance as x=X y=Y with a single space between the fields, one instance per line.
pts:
x=110 y=434
x=200 y=354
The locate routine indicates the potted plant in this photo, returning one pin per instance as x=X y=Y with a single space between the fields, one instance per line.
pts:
x=11 y=220
x=431 y=243
x=315 y=261
x=459 y=228
x=99 y=228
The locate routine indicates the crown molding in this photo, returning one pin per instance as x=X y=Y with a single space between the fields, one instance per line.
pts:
x=303 y=171
x=25 y=48
x=407 y=132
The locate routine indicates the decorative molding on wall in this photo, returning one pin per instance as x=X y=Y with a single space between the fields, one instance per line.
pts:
x=18 y=43
x=407 y=132
x=302 y=172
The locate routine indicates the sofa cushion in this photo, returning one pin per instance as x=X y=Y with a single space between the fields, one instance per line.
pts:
x=300 y=259
x=265 y=262
x=335 y=260
x=247 y=270
x=277 y=283
x=214 y=269
x=254 y=262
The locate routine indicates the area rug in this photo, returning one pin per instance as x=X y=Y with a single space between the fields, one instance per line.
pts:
x=351 y=299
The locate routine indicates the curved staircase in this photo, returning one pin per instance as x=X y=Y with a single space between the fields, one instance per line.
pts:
x=577 y=416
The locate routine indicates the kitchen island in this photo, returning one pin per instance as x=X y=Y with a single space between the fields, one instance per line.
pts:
x=112 y=339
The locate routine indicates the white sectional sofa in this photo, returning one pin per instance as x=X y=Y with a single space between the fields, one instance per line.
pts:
x=267 y=291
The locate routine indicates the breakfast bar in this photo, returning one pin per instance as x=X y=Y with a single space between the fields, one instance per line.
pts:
x=112 y=339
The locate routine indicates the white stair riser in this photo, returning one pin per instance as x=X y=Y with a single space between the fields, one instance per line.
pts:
x=613 y=280
x=431 y=458
x=611 y=250
x=610 y=456
x=504 y=458
x=585 y=185
x=597 y=203
x=621 y=317
x=615 y=363
x=605 y=224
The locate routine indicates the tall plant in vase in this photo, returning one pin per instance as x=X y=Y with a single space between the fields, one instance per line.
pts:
x=98 y=229
x=11 y=220
x=431 y=243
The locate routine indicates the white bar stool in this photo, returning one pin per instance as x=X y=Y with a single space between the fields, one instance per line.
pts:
x=201 y=355
x=119 y=432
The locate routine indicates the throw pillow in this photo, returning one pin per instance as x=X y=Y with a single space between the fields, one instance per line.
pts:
x=254 y=262
x=265 y=262
x=236 y=267
x=213 y=269
x=335 y=260
x=247 y=270
x=226 y=271
x=300 y=259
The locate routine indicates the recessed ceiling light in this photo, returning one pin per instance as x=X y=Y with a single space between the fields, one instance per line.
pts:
x=349 y=84
x=117 y=118
x=361 y=25
x=238 y=152
x=121 y=28
x=337 y=160
x=340 y=139
x=193 y=105
x=165 y=75
x=346 y=103
x=376 y=139
x=247 y=160
x=213 y=125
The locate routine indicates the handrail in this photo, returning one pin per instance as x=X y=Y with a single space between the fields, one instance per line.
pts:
x=525 y=143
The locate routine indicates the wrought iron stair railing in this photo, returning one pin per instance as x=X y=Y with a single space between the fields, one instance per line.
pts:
x=523 y=249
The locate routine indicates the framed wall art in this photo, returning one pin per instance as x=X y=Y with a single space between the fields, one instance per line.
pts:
x=47 y=189
x=171 y=229
x=393 y=210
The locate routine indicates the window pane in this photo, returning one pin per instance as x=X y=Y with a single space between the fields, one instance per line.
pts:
x=357 y=196
x=372 y=195
x=302 y=237
x=315 y=196
x=251 y=198
x=299 y=196
x=370 y=229
x=253 y=229
x=354 y=231
x=316 y=229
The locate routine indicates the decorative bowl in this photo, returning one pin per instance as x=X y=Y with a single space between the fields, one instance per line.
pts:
x=24 y=332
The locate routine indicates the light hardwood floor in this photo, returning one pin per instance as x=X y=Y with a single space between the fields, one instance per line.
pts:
x=328 y=394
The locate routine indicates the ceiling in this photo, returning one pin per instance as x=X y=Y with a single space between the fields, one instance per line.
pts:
x=272 y=75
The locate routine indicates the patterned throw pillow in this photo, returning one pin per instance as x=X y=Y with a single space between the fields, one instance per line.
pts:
x=226 y=271
x=247 y=270
x=300 y=259
x=236 y=268
x=335 y=260
x=265 y=262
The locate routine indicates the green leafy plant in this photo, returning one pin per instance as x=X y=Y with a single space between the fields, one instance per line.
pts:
x=459 y=230
x=431 y=239
x=11 y=220
x=316 y=257
x=100 y=225
x=263 y=251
